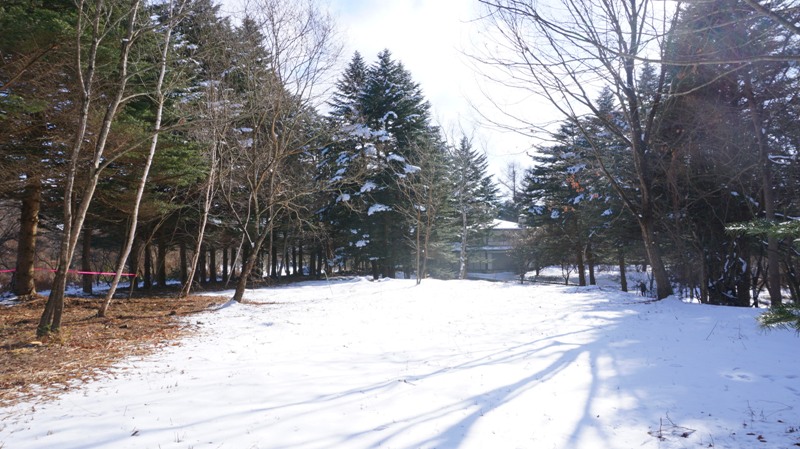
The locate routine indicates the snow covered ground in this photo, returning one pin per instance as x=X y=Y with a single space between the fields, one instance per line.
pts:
x=446 y=364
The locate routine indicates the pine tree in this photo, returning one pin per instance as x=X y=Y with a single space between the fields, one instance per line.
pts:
x=474 y=198
x=36 y=94
x=381 y=123
x=722 y=136
x=346 y=107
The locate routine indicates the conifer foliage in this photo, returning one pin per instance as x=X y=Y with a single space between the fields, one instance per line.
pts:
x=382 y=125
x=474 y=199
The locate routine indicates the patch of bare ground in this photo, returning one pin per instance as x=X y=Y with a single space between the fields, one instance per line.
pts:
x=87 y=346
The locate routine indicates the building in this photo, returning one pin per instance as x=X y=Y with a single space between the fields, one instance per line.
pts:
x=494 y=253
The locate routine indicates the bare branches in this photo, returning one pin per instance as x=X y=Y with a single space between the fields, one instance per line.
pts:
x=565 y=52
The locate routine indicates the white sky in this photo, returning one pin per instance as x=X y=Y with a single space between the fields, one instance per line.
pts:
x=430 y=38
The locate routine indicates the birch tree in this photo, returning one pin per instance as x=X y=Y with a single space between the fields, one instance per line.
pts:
x=174 y=10
x=100 y=20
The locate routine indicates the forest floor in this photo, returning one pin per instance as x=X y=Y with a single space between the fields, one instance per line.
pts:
x=87 y=344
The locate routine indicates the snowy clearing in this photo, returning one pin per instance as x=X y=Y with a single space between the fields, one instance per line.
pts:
x=446 y=364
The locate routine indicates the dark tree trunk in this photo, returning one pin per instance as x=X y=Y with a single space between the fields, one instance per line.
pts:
x=623 y=279
x=312 y=264
x=134 y=259
x=24 y=279
x=184 y=261
x=148 y=267
x=590 y=261
x=273 y=270
x=161 y=264
x=663 y=286
x=212 y=265
x=246 y=249
x=201 y=269
x=704 y=294
x=225 y=261
x=286 y=257
x=273 y=262
x=581 y=268
x=232 y=274
x=773 y=257
x=86 y=260
x=300 y=256
x=294 y=260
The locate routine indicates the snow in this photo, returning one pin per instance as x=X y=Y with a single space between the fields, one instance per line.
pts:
x=411 y=169
x=395 y=157
x=375 y=208
x=575 y=168
x=503 y=224
x=447 y=364
x=368 y=187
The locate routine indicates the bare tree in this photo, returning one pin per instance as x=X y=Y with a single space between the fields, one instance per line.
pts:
x=291 y=49
x=564 y=51
x=174 y=10
x=214 y=124
x=511 y=179
x=104 y=20
x=424 y=187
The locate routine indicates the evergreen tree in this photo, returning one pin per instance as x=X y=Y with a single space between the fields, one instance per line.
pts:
x=382 y=121
x=722 y=137
x=36 y=114
x=346 y=107
x=474 y=199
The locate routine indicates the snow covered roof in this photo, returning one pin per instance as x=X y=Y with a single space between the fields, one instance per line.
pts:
x=502 y=224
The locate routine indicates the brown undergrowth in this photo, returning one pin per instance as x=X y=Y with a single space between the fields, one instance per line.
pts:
x=87 y=346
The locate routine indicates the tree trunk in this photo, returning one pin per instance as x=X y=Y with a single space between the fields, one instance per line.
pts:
x=623 y=279
x=208 y=198
x=50 y=320
x=202 y=272
x=161 y=263
x=462 y=258
x=148 y=267
x=663 y=286
x=212 y=264
x=134 y=260
x=234 y=258
x=247 y=266
x=134 y=220
x=704 y=278
x=773 y=257
x=273 y=253
x=590 y=262
x=183 y=262
x=225 y=262
x=24 y=279
x=581 y=268
x=86 y=260
x=312 y=263
x=300 y=257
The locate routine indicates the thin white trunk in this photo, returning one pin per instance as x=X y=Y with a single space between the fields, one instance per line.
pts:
x=161 y=99
x=73 y=224
x=207 y=200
